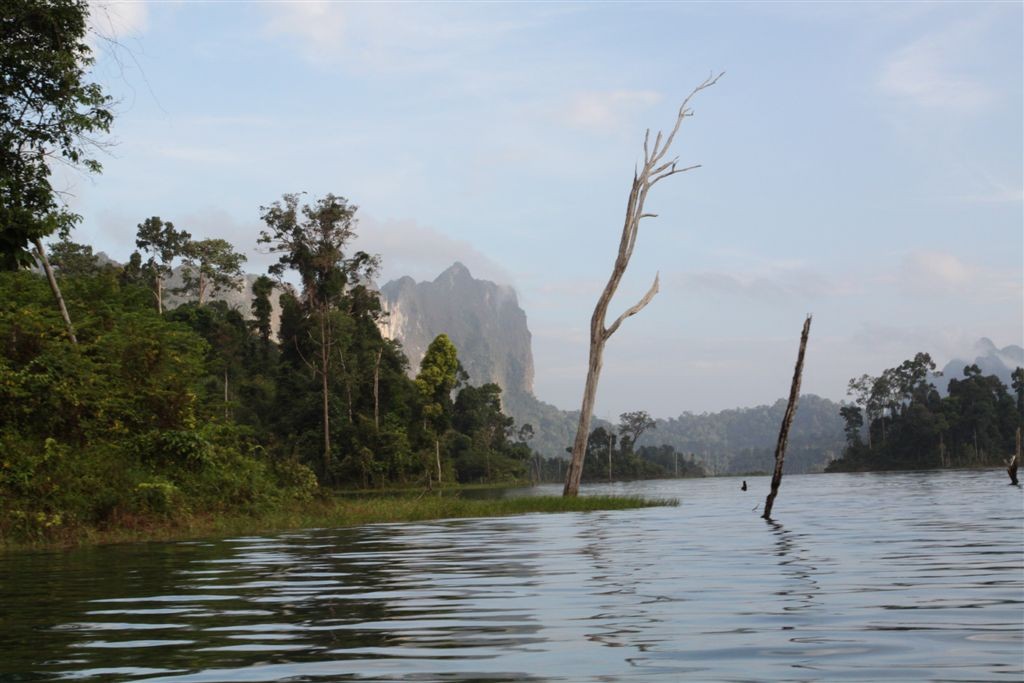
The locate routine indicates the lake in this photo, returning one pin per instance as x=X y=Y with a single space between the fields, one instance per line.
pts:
x=864 y=577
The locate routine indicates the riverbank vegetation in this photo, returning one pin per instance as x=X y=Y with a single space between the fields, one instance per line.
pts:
x=900 y=420
x=325 y=512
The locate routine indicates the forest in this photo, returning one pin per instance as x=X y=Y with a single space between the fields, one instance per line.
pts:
x=900 y=421
x=153 y=410
x=146 y=411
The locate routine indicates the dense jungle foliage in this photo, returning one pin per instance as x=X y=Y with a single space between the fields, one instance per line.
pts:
x=900 y=421
x=198 y=410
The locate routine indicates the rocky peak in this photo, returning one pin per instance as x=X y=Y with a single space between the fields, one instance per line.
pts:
x=483 y=320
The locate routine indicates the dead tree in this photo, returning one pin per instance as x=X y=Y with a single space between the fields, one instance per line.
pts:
x=655 y=169
x=787 y=420
x=1014 y=461
x=55 y=288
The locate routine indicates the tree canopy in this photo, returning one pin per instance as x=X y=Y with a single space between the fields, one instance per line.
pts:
x=50 y=113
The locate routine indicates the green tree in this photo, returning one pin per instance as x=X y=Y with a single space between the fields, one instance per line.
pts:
x=210 y=266
x=73 y=259
x=477 y=414
x=49 y=112
x=1017 y=378
x=853 y=420
x=164 y=243
x=435 y=381
x=312 y=241
x=632 y=426
x=262 y=309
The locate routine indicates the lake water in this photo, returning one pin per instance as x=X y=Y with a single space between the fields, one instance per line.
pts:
x=871 y=577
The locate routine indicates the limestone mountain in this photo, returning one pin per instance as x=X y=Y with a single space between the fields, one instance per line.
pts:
x=483 y=320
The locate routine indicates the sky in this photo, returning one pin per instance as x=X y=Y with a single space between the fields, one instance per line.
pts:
x=860 y=162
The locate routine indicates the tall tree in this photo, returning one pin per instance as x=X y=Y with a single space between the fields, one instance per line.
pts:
x=312 y=240
x=853 y=422
x=210 y=266
x=164 y=243
x=72 y=258
x=656 y=167
x=1017 y=380
x=49 y=112
x=632 y=425
x=435 y=381
x=262 y=309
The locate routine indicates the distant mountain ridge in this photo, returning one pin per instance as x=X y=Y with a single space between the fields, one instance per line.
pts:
x=742 y=440
x=992 y=360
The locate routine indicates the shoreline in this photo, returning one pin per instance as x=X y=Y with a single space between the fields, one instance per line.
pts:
x=334 y=512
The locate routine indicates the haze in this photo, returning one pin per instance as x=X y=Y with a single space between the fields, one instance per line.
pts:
x=861 y=162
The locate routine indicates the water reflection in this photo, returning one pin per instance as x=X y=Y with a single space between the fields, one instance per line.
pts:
x=795 y=565
x=894 y=588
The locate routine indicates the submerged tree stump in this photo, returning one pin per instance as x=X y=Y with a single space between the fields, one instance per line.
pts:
x=787 y=420
x=1014 y=461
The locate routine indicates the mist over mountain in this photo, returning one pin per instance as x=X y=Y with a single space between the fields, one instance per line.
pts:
x=992 y=360
x=490 y=331
x=239 y=299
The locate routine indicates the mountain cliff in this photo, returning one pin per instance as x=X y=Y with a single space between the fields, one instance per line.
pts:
x=482 y=319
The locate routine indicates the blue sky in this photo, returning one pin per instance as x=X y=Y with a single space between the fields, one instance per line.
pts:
x=861 y=162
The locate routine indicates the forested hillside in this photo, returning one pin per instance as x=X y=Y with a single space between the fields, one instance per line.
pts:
x=151 y=412
x=743 y=440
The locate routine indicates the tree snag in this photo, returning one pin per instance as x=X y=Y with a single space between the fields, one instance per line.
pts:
x=787 y=420
x=55 y=288
x=655 y=168
x=1014 y=461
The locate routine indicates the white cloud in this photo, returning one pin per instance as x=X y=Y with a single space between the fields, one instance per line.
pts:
x=939 y=273
x=935 y=71
x=422 y=252
x=936 y=269
x=778 y=283
x=317 y=27
x=606 y=111
x=385 y=36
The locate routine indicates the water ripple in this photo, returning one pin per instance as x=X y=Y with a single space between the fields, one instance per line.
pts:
x=864 y=578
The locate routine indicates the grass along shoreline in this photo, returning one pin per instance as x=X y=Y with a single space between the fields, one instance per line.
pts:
x=327 y=513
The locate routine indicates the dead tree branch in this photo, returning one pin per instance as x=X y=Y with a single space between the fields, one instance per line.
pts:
x=655 y=168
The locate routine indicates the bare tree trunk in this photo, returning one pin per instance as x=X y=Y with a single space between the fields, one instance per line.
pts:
x=437 y=455
x=787 y=420
x=376 y=389
x=1014 y=461
x=654 y=169
x=55 y=288
x=324 y=364
x=202 y=287
x=348 y=386
x=159 y=294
